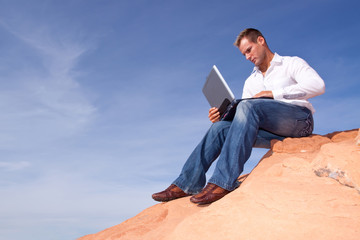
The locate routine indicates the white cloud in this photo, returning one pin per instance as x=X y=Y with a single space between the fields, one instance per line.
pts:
x=43 y=100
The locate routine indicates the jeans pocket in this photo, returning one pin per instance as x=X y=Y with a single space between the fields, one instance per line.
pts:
x=305 y=126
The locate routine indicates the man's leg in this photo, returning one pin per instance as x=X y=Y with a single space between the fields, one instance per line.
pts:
x=272 y=116
x=192 y=178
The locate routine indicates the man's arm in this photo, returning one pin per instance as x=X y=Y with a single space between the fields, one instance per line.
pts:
x=308 y=82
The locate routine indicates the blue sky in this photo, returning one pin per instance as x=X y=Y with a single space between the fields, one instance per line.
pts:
x=101 y=101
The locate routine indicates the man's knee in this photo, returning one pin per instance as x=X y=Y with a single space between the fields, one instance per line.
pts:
x=245 y=106
x=252 y=105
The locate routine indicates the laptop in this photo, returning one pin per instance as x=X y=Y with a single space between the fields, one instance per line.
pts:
x=219 y=95
x=217 y=91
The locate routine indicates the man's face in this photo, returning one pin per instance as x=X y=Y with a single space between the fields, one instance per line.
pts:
x=254 y=52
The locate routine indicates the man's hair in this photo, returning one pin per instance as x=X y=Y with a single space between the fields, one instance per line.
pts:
x=251 y=34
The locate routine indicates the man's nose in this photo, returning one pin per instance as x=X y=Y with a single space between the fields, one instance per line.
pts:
x=247 y=56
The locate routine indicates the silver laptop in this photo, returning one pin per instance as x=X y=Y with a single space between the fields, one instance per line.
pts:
x=216 y=91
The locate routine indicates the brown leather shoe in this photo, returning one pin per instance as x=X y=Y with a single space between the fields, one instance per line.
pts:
x=171 y=193
x=209 y=194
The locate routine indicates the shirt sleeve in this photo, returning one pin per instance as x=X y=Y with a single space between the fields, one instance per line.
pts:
x=308 y=82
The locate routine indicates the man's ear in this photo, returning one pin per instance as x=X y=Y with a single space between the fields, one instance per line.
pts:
x=261 y=40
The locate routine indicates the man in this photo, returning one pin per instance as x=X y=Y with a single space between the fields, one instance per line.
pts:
x=288 y=82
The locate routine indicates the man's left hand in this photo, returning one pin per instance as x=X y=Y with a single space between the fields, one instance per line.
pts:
x=264 y=94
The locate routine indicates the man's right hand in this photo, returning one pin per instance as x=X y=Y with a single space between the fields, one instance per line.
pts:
x=214 y=114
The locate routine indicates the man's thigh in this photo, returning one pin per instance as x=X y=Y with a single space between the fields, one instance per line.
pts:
x=280 y=118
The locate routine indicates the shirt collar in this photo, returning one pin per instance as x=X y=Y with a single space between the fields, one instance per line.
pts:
x=277 y=59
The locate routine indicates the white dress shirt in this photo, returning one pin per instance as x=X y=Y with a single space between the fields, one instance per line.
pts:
x=290 y=79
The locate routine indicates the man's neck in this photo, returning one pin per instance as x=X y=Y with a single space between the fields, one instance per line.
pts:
x=266 y=64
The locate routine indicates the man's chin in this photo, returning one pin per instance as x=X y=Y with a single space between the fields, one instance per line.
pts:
x=257 y=63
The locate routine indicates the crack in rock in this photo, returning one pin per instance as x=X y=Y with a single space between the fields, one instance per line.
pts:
x=338 y=175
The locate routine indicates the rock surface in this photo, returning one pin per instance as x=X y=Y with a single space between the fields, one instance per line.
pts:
x=306 y=188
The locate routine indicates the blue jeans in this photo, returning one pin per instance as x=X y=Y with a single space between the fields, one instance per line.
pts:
x=256 y=122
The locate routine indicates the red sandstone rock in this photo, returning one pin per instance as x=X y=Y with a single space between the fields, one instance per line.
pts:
x=304 y=188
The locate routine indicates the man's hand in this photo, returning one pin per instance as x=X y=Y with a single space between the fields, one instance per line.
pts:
x=264 y=94
x=214 y=114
